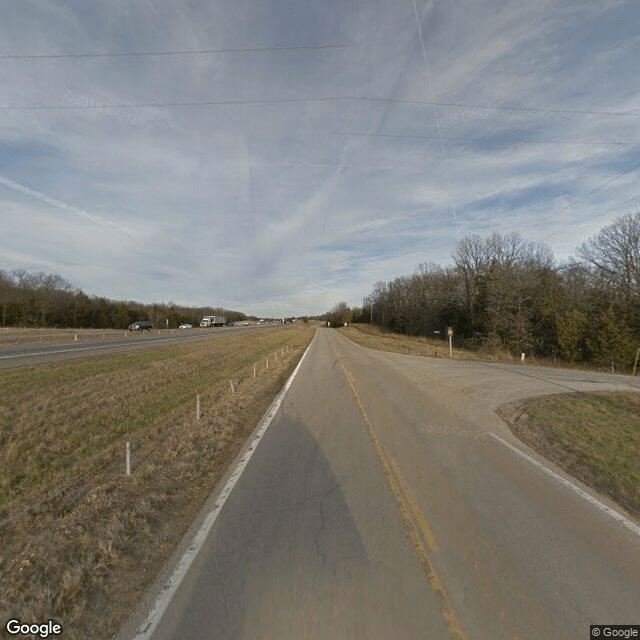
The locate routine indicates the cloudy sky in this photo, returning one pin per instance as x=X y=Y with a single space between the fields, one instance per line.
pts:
x=278 y=156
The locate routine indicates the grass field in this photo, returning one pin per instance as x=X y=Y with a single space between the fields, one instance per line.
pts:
x=594 y=437
x=80 y=540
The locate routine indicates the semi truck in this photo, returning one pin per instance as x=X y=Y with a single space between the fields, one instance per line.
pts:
x=213 y=321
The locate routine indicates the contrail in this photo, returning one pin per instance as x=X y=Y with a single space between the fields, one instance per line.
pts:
x=443 y=149
x=62 y=205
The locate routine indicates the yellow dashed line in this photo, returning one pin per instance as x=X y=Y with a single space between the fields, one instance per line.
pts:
x=406 y=503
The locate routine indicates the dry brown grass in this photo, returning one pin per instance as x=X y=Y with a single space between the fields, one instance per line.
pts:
x=376 y=338
x=80 y=540
x=17 y=335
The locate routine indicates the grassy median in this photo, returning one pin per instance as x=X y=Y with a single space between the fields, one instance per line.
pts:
x=80 y=540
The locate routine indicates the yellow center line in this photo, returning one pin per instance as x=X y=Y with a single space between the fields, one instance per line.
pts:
x=406 y=503
x=418 y=515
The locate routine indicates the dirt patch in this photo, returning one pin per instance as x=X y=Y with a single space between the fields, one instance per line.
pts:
x=594 y=437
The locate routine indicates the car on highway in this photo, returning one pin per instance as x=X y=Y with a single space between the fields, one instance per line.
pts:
x=141 y=325
x=185 y=325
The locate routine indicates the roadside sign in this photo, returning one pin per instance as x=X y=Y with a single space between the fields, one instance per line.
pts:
x=450 y=332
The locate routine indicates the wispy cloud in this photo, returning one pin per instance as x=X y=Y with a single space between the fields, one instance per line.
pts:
x=63 y=206
x=246 y=184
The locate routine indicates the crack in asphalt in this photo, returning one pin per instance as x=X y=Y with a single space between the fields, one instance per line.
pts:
x=321 y=496
x=319 y=550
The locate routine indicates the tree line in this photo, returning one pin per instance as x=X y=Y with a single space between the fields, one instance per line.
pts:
x=504 y=291
x=48 y=300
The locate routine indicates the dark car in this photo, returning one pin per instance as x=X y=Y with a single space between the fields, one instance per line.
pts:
x=141 y=325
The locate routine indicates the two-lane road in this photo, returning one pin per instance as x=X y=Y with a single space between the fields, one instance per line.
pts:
x=384 y=501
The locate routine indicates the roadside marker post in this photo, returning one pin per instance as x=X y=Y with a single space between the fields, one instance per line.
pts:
x=450 y=334
x=231 y=385
x=198 y=407
x=128 y=458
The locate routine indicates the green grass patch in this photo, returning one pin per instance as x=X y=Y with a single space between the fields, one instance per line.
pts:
x=596 y=438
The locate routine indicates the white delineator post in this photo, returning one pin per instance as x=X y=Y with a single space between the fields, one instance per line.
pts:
x=128 y=458
x=231 y=385
x=254 y=370
x=198 y=407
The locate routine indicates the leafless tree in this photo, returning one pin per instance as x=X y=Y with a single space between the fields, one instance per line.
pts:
x=615 y=254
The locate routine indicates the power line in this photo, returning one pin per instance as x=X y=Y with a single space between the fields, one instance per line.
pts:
x=170 y=52
x=347 y=98
x=601 y=213
x=462 y=105
x=467 y=139
x=151 y=105
x=586 y=195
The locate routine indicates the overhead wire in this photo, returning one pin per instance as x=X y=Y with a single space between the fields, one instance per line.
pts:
x=212 y=102
x=169 y=52
x=469 y=139
x=583 y=197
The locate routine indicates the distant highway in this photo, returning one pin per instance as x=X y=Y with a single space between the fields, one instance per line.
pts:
x=31 y=354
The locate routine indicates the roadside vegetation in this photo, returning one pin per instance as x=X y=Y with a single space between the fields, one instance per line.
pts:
x=48 y=300
x=376 y=338
x=595 y=437
x=504 y=293
x=81 y=541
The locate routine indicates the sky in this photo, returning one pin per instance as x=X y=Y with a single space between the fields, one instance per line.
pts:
x=276 y=157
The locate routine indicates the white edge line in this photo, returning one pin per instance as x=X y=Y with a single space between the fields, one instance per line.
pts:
x=616 y=515
x=146 y=629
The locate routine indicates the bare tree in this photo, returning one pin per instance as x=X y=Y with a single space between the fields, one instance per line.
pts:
x=615 y=253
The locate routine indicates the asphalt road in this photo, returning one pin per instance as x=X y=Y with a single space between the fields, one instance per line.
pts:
x=384 y=501
x=42 y=353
